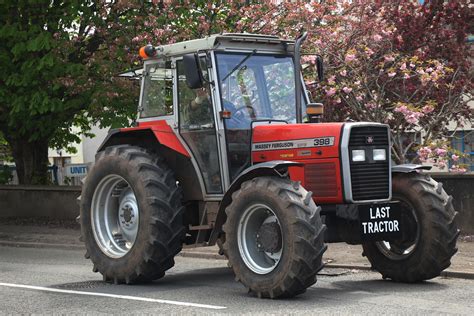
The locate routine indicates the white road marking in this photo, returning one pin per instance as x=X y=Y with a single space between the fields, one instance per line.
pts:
x=125 y=297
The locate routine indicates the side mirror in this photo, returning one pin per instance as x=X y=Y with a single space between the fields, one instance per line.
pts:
x=320 y=67
x=192 y=71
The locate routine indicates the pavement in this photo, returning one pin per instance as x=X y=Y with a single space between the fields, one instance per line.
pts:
x=47 y=281
x=338 y=255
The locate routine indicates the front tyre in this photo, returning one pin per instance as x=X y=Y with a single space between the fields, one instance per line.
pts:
x=131 y=215
x=274 y=237
x=429 y=232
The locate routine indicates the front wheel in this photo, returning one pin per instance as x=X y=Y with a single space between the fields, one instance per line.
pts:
x=429 y=232
x=274 y=237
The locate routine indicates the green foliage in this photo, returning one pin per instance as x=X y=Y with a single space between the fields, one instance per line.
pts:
x=5 y=154
x=53 y=73
x=58 y=71
x=5 y=175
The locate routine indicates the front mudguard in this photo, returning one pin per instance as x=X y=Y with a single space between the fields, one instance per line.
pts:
x=276 y=168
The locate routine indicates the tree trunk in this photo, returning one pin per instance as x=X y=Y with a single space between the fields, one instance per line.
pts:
x=31 y=160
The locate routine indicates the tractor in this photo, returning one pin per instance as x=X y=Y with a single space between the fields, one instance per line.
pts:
x=228 y=149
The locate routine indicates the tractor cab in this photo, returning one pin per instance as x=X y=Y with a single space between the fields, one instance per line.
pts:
x=214 y=91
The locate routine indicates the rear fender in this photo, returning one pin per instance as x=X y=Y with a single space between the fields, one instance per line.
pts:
x=161 y=140
x=161 y=133
x=276 y=168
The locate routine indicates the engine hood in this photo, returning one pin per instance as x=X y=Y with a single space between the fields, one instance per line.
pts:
x=296 y=141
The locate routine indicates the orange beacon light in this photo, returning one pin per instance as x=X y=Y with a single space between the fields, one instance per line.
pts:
x=147 y=51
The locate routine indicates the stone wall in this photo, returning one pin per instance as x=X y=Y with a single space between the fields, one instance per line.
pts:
x=59 y=202
x=461 y=187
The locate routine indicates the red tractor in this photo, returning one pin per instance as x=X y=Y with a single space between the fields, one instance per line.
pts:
x=228 y=149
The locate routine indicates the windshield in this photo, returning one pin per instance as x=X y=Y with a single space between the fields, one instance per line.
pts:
x=257 y=87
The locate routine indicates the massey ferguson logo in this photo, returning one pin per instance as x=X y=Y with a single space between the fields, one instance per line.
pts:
x=369 y=139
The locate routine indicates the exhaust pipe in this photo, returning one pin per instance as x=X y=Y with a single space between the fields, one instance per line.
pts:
x=298 y=87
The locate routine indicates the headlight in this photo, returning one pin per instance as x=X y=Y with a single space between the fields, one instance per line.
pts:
x=358 y=155
x=379 y=154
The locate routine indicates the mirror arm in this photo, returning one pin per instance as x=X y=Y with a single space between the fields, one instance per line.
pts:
x=200 y=67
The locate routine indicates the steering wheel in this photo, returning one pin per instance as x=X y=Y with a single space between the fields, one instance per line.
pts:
x=238 y=119
x=238 y=112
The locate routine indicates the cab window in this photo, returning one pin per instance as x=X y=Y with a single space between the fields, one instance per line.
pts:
x=157 y=99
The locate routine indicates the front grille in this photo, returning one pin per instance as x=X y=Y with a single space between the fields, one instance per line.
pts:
x=321 y=179
x=359 y=136
x=370 y=180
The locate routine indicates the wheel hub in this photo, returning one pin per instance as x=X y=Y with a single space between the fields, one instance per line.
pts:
x=405 y=246
x=269 y=237
x=115 y=216
x=127 y=213
x=259 y=237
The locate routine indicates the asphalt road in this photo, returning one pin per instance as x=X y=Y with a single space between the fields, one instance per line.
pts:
x=49 y=281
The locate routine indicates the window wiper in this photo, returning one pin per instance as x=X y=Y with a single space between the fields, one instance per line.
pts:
x=240 y=64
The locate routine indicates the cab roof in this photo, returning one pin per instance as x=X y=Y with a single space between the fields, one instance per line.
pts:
x=225 y=41
x=228 y=41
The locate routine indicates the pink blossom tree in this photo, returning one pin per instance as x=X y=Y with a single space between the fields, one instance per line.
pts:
x=386 y=65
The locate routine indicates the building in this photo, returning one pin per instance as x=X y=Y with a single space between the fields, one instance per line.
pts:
x=69 y=168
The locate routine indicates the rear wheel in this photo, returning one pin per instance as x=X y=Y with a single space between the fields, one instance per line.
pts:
x=274 y=237
x=429 y=232
x=131 y=215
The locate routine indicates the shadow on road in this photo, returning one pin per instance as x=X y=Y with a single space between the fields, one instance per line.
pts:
x=198 y=276
x=380 y=285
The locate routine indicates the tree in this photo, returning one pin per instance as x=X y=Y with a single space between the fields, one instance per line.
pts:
x=405 y=65
x=58 y=60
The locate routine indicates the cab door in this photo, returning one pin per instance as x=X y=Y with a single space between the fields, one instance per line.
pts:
x=197 y=127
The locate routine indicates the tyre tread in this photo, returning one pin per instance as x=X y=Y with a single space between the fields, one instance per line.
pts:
x=166 y=228
x=306 y=225
x=438 y=237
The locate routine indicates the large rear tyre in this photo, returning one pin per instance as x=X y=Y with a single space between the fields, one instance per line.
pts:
x=131 y=215
x=429 y=232
x=274 y=237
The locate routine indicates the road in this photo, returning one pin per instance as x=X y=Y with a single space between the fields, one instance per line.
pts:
x=45 y=281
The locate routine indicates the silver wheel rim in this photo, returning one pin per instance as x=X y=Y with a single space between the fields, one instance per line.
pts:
x=255 y=259
x=395 y=252
x=115 y=216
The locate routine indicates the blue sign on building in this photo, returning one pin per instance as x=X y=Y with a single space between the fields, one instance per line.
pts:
x=76 y=170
